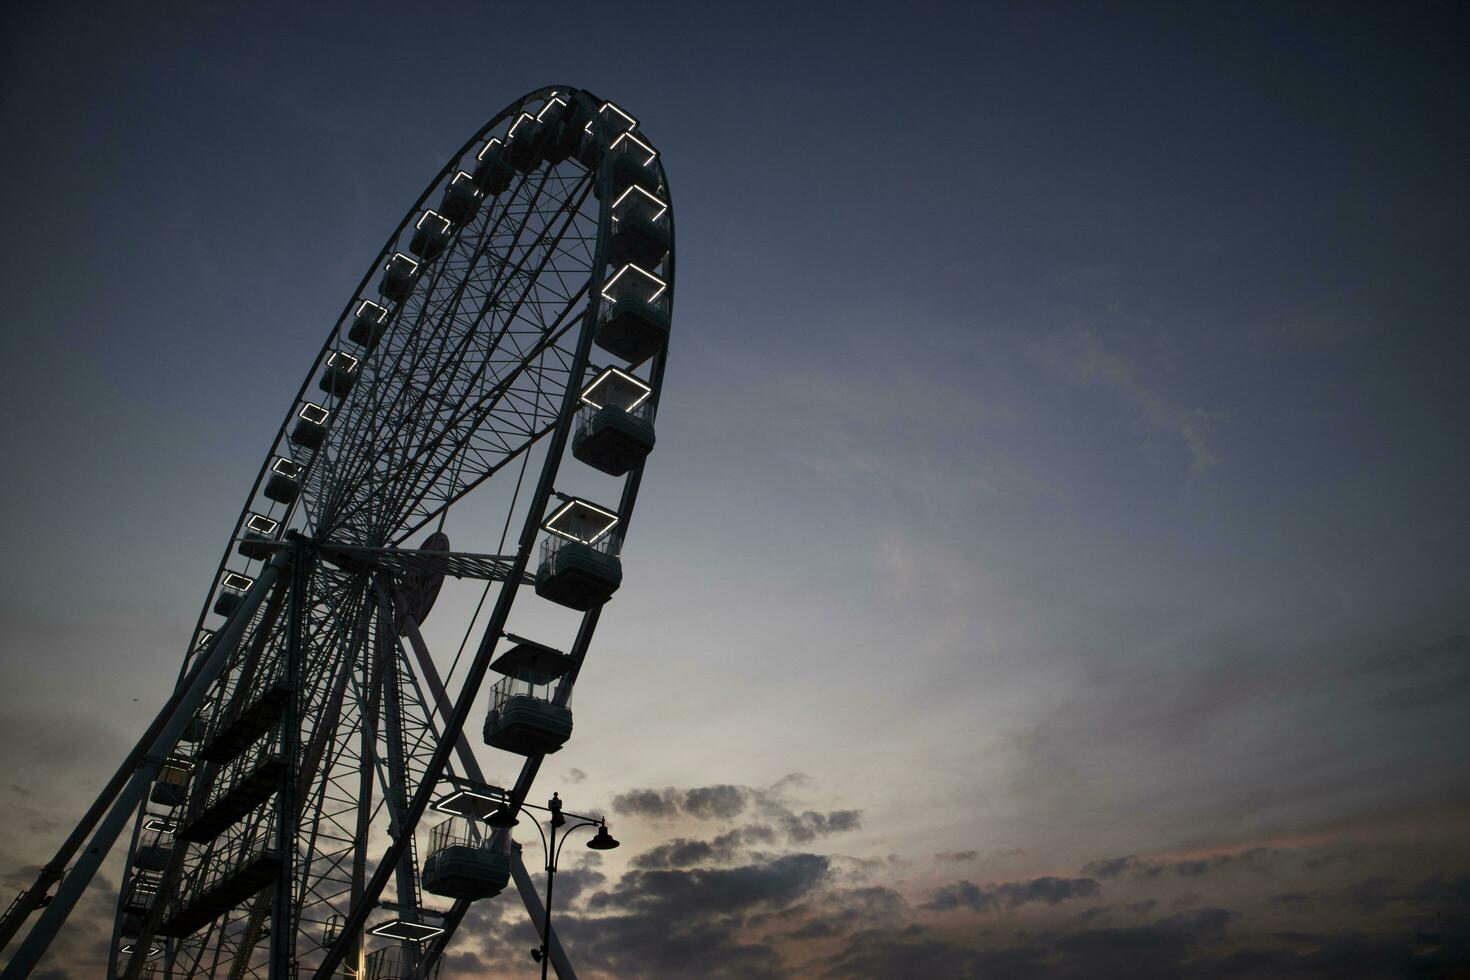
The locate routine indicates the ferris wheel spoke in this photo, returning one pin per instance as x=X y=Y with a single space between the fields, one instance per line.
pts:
x=505 y=330
x=413 y=482
x=488 y=304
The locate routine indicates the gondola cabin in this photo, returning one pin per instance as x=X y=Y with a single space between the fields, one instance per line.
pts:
x=640 y=229
x=615 y=427
x=464 y=861
x=340 y=374
x=492 y=173
x=632 y=163
x=523 y=143
x=523 y=717
x=310 y=430
x=260 y=538
x=462 y=199
x=153 y=851
x=431 y=235
x=232 y=588
x=368 y=325
x=579 y=568
x=172 y=786
x=634 y=321
x=284 y=482
x=399 y=274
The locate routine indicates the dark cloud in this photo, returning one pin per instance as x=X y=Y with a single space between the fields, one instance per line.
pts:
x=956 y=857
x=1010 y=894
x=1256 y=858
x=715 y=890
x=679 y=853
x=683 y=852
x=725 y=801
x=1439 y=891
x=801 y=828
x=638 y=946
x=576 y=776
x=1110 y=867
x=653 y=803
x=1196 y=944
x=722 y=802
x=749 y=834
x=872 y=905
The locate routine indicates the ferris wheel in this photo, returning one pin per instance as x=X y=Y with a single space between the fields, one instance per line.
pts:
x=307 y=802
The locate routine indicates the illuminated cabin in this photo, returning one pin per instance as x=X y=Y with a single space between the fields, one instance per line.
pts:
x=492 y=173
x=640 y=229
x=634 y=322
x=524 y=142
x=340 y=374
x=632 y=163
x=233 y=587
x=571 y=136
x=368 y=325
x=431 y=234
x=172 y=786
x=153 y=851
x=139 y=894
x=284 y=482
x=399 y=274
x=463 y=863
x=260 y=538
x=610 y=123
x=579 y=565
x=523 y=718
x=310 y=430
x=553 y=149
x=615 y=427
x=461 y=200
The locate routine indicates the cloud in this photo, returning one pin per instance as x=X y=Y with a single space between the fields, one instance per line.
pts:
x=809 y=825
x=956 y=857
x=682 y=852
x=657 y=804
x=1257 y=858
x=1083 y=356
x=726 y=801
x=716 y=802
x=698 y=892
x=1110 y=867
x=1010 y=894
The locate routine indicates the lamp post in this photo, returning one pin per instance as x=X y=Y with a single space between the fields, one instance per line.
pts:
x=601 y=841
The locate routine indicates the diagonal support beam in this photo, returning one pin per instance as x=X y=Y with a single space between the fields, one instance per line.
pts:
x=471 y=765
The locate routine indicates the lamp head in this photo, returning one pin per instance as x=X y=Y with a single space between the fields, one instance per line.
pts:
x=603 y=841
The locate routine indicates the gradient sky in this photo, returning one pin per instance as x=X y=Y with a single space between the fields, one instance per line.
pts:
x=1054 y=561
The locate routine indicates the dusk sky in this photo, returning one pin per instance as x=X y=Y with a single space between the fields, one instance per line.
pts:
x=1055 y=560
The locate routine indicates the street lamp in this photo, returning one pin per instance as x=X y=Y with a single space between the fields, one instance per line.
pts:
x=601 y=841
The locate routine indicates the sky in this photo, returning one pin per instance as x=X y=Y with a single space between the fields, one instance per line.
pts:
x=1053 y=561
